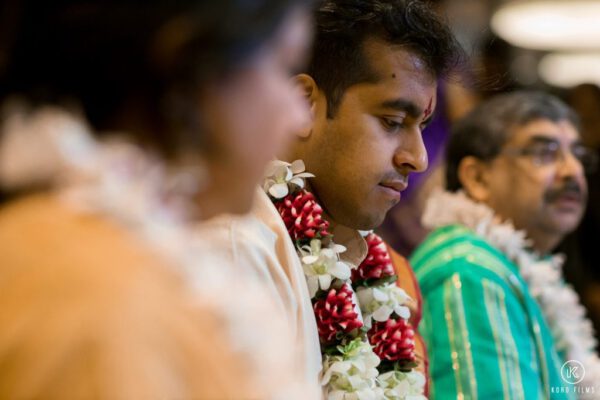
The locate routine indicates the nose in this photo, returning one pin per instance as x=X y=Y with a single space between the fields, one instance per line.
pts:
x=569 y=166
x=411 y=154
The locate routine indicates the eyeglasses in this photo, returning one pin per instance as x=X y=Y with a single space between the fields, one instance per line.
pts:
x=550 y=152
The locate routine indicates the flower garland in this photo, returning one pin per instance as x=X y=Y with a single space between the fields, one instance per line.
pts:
x=572 y=332
x=362 y=315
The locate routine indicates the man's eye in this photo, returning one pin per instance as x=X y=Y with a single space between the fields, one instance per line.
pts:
x=390 y=124
x=580 y=152
x=545 y=154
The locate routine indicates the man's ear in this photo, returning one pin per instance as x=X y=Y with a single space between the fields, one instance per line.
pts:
x=308 y=87
x=473 y=174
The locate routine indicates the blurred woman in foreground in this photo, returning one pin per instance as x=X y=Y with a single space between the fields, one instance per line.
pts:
x=106 y=289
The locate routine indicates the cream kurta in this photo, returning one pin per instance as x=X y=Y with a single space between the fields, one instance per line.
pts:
x=260 y=245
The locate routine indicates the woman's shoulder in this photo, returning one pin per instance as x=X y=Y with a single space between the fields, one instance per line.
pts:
x=83 y=301
x=58 y=261
x=43 y=232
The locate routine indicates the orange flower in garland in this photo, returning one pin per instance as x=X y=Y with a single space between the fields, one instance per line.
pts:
x=336 y=313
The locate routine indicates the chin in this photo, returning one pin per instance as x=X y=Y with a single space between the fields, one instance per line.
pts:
x=566 y=222
x=367 y=222
x=561 y=227
x=356 y=216
x=566 y=227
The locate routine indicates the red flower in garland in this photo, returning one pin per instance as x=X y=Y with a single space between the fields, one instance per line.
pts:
x=336 y=313
x=377 y=264
x=393 y=340
x=302 y=216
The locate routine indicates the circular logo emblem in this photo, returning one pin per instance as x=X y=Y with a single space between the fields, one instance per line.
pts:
x=572 y=372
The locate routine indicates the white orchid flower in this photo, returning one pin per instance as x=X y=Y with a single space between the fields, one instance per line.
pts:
x=353 y=374
x=280 y=175
x=395 y=385
x=378 y=303
x=322 y=265
x=398 y=385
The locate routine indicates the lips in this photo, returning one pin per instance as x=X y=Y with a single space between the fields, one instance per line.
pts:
x=573 y=197
x=569 y=193
x=569 y=200
x=396 y=185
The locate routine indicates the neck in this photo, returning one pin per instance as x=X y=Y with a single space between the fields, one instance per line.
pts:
x=326 y=214
x=210 y=204
x=544 y=242
x=295 y=151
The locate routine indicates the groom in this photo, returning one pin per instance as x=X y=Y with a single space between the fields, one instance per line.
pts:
x=371 y=86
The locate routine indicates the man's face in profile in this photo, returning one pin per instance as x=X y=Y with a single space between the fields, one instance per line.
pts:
x=363 y=154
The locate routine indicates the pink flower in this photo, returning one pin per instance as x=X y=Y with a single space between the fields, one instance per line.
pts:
x=336 y=313
x=302 y=216
x=377 y=264
x=393 y=340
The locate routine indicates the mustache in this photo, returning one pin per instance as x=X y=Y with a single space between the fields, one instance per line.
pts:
x=570 y=187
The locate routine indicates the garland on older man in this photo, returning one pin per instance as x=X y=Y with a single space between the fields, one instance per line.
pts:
x=362 y=316
x=573 y=333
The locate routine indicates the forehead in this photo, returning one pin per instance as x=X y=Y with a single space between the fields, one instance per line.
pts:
x=563 y=131
x=398 y=72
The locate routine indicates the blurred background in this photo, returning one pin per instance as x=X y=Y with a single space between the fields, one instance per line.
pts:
x=551 y=45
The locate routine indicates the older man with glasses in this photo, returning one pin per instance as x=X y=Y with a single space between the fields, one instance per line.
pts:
x=499 y=321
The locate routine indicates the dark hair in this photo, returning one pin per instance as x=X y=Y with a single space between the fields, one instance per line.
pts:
x=338 y=60
x=151 y=57
x=483 y=132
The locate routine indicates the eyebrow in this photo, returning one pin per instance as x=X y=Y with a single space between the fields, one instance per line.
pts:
x=404 y=105
x=541 y=138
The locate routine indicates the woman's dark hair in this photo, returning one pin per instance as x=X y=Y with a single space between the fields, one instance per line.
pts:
x=150 y=58
x=343 y=26
x=483 y=132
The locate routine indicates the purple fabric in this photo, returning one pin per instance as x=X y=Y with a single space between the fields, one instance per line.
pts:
x=435 y=137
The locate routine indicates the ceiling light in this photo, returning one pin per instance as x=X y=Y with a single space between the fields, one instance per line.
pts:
x=549 y=25
x=569 y=70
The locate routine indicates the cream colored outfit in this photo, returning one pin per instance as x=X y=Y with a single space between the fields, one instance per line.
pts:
x=259 y=244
